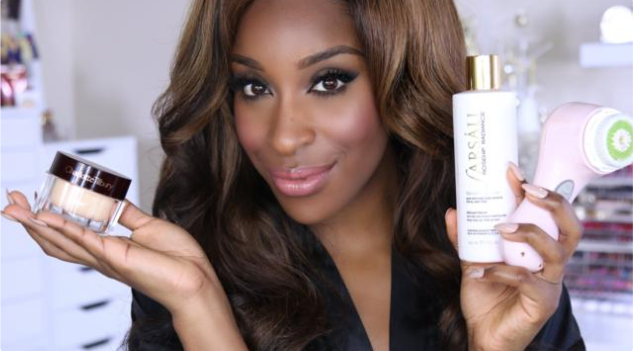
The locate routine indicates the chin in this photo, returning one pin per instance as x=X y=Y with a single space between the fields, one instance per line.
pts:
x=305 y=212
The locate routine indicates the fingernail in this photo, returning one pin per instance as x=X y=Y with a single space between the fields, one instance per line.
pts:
x=476 y=272
x=38 y=222
x=535 y=190
x=7 y=216
x=507 y=227
x=516 y=170
x=9 y=198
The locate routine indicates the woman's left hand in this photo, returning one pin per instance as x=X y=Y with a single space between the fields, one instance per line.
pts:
x=506 y=306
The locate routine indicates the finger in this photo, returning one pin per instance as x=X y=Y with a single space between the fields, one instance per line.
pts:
x=76 y=240
x=130 y=262
x=78 y=253
x=552 y=252
x=515 y=180
x=17 y=198
x=133 y=217
x=48 y=247
x=450 y=218
x=562 y=212
x=50 y=243
x=24 y=216
x=539 y=298
x=522 y=279
x=67 y=249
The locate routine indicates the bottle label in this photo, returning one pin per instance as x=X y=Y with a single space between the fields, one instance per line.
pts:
x=485 y=141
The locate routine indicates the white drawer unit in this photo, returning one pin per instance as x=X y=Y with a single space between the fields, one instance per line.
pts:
x=20 y=128
x=14 y=167
x=23 y=279
x=92 y=324
x=23 y=321
x=48 y=304
x=94 y=285
x=23 y=302
x=16 y=242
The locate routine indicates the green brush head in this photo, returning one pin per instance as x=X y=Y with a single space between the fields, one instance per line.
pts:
x=609 y=140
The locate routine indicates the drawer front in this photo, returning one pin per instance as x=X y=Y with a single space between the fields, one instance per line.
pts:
x=21 y=165
x=20 y=127
x=23 y=322
x=16 y=242
x=77 y=328
x=109 y=343
x=75 y=286
x=22 y=279
x=31 y=344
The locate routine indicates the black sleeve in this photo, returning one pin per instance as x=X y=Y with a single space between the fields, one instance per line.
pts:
x=152 y=328
x=560 y=332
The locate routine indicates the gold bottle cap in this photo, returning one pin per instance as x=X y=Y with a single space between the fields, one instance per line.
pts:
x=483 y=72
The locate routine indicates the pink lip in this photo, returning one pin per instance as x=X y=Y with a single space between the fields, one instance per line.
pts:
x=302 y=181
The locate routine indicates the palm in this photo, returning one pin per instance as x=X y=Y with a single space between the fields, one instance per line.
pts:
x=159 y=257
x=493 y=309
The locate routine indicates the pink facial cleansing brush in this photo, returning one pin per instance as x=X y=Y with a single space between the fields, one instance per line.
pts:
x=579 y=142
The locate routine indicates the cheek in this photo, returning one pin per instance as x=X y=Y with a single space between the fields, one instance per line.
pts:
x=252 y=135
x=358 y=127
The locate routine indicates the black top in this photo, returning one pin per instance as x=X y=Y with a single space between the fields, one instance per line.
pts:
x=413 y=320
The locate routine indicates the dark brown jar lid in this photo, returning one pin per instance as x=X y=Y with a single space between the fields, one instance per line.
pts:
x=89 y=175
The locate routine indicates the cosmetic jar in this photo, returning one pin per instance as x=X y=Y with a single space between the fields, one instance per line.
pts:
x=83 y=192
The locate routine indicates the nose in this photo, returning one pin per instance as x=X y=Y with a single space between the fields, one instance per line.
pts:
x=292 y=130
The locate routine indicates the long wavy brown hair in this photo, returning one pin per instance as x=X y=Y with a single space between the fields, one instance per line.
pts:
x=415 y=53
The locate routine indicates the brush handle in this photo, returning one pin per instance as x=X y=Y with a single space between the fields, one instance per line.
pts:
x=561 y=168
x=522 y=254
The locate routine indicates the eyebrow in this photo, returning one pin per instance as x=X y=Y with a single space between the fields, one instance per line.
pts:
x=304 y=62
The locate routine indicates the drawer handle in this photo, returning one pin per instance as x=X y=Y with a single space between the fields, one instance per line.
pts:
x=96 y=344
x=86 y=269
x=92 y=306
x=96 y=150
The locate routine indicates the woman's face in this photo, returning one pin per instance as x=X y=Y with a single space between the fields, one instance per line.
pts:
x=304 y=109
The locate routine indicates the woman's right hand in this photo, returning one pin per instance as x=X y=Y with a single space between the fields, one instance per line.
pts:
x=160 y=259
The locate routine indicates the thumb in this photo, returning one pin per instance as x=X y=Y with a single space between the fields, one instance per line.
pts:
x=133 y=217
x=451 y=225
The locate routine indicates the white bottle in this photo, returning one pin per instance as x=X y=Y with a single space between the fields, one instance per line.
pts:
x=485 y=136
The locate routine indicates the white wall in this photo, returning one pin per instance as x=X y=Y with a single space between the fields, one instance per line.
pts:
x=105 y=62
x=566 y=24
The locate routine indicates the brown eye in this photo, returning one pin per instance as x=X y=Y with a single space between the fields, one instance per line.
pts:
x=254 y=89
x=329 y=83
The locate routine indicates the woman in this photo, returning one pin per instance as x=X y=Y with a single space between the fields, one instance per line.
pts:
x=303 y=199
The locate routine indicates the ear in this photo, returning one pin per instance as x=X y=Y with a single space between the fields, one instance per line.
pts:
x=451 y=225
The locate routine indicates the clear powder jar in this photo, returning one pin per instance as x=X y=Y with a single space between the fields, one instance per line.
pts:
x=83 y=192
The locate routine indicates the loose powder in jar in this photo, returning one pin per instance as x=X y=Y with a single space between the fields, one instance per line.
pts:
x=83 y=192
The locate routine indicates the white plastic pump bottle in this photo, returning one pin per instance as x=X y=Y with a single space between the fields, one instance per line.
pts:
x=485 y=137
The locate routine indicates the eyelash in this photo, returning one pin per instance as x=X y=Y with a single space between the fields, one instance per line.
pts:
x=237 y=83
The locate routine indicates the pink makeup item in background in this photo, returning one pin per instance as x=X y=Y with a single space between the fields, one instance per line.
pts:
x=579 y=143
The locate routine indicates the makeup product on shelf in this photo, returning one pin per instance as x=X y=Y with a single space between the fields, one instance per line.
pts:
x=485 y=136
x=579 y=143
x=83 y=192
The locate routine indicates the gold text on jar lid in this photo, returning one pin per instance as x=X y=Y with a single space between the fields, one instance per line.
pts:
x=88 y=178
